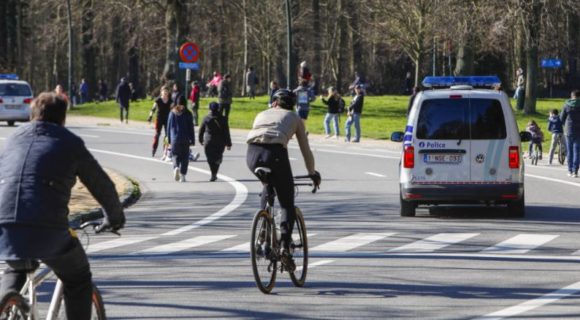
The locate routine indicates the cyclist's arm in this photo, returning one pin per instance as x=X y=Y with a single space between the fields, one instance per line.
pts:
x=305 y=148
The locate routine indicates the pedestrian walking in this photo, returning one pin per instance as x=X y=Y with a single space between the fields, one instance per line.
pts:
x=84 y=90
x=225 y=95
x=180 y=136
x=214 y=135
x=304 y=96
x=123 y=97
x=354 y=114
x=39 y=165
x=556 y=127
x=251 y=82
x=571 y=118
x=332 y=113
x=194 y=97
x=212 y=85
x=161 y=107
x=103 y=91
x=273 y=88
x=73 y=94
x=176 y=95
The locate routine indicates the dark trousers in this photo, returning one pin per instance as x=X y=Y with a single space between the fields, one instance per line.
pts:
x=72 y=268
x=125 y=111
x=180 y=152
x=275 y=157
x=225 y=109
x=160 y=124
x=214 y=152
x=195 y=113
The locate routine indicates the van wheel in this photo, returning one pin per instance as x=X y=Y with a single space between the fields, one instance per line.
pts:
x=10 y=123
x=517 y=209
x=407 y=208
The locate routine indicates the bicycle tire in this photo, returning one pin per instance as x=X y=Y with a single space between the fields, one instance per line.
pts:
x=13 y=306
x=261 y=250
x=561 y=151
x=97 y=306
x=300 y=251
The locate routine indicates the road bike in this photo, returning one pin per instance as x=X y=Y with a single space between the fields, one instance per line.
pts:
x=560 y=148
x=265 y=248
x=14 y=305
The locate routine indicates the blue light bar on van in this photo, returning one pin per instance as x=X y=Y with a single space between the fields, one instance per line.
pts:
x=8 y=76
x=474 y=81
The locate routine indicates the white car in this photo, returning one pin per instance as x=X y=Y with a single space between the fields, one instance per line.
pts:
x=461 y=145
x=15 y=98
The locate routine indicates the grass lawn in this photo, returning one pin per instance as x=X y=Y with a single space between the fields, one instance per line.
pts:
x=381 y=114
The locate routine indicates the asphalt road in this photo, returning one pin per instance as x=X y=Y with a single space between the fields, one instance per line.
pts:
x=182 y=254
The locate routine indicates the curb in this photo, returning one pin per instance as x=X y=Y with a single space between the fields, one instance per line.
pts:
x=129 y=196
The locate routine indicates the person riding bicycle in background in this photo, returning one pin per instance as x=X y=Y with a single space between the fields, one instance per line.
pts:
x=537 y=137
x=39 y=166
x=571 y=118
x=556 y=128
x=162 y=105
x=268 y=147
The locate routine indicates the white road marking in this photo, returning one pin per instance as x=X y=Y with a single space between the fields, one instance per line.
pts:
x=520 y=244
x=351 y=242
x=184 y=244
x=575 y=184
x=435 y=242
x=87 y=135
x=376 y=174
x=292 y=159
x=121 y=131
x=125 y=241
x=245 y=247
x=577 y=253
x=534 y=303
x=316 y=264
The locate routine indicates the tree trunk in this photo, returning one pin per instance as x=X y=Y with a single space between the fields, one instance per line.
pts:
x=88 y=47
x=533 y=24
x=465 y=58
x=342 y=46
x=357 y=64
x=170 y=41
x=316 y=44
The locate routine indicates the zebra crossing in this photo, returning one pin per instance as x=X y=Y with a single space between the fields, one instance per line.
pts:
x=374 y=243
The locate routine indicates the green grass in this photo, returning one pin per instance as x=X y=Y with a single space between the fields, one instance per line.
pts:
x=381 y=114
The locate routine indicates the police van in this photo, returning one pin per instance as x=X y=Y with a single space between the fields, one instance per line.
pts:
x=15 y=98
x=461 y=145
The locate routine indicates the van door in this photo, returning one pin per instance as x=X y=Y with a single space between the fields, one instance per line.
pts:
x=489 y=146
x=442 y=141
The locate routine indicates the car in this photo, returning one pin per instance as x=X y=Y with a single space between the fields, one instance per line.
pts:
x=461 y=145
x=15 y=98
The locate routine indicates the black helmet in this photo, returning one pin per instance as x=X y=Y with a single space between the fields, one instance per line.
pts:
x=286 y=98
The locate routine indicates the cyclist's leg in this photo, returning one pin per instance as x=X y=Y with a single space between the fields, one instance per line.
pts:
x=283 y=182
x=14 y=275
x=74 y=271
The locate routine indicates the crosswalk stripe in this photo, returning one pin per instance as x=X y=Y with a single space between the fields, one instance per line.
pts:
x=184 y=245
x=577 y=253
x=434 y=242
x=522 y=243
x=120 y=242
x=351 y=242
x=245 y=247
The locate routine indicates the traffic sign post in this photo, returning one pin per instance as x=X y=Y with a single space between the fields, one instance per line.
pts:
x=189 y=53
x=551 y=63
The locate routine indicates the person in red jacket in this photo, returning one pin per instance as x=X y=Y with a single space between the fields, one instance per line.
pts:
x=194 y=98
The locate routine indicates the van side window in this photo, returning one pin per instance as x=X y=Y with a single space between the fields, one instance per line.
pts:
x=487 y=120
x=443 y=119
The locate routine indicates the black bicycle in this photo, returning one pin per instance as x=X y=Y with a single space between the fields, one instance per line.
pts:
x=265 y=249
x=560 y=148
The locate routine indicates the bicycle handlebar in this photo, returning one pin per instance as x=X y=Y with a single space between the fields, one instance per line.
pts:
x=98 y=227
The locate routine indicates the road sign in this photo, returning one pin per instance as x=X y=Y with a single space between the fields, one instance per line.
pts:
x=189 y=52
x=551 y=63
x=192 y=66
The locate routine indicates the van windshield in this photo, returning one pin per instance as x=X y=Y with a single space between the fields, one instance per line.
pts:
x=458 y=119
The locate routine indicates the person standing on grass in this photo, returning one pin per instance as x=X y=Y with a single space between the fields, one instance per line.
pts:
x=194 y=97
x=103 y=91
x=571 y=118
x=180 y=136
x=251 y=82
x=84 y=89
x=332 y=113
x=354 y=113
x=123 y=97
x=225 y=95
x=214 y=135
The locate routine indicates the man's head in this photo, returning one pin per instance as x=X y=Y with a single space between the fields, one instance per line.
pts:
x=165 y=92
x=214 y=107
x=284 y=99
x=575 y=94
x=228 y=77
x=554 y=112
x=520 y=71
x=48 y=107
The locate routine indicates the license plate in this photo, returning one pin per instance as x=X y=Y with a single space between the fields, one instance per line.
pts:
x=13 y=107
x=443 y=158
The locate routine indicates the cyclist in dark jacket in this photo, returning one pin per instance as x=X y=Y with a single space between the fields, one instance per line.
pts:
x=180 y=136
x=123 y=97
x=214 y=135
x=39 y=166
x=571 y=118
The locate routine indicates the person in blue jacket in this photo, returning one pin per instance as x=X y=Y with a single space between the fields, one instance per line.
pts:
x=39 y=165
x=180 y=136
x=557 y=129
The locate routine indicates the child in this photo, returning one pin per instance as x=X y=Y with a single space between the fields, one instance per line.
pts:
x=556 y=128
x=537 y=137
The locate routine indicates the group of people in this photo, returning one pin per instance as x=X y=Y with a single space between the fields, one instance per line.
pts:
x=568 y=118
x=336 y=107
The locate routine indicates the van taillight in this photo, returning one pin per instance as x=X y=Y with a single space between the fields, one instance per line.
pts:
x=514 y=157
x=27 y=100
x=409 y=157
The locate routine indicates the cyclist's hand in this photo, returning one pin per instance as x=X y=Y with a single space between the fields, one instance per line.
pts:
x=316 y=179
x=112 y=225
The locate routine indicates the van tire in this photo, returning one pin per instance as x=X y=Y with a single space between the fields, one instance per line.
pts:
x=517 y=208
x=407 y=208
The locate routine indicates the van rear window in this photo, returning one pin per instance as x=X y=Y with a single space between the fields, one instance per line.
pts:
x=455 y=119
x=14 y=90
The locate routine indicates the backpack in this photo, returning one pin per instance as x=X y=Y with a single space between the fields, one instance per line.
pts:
x=341 y=105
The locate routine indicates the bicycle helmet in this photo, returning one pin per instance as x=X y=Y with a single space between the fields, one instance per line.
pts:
x=286 y=98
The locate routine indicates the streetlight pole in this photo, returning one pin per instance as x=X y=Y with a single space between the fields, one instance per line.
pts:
x=70 y=52
x=290 y=64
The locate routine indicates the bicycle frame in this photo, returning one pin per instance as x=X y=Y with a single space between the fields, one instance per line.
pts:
x=35 y=279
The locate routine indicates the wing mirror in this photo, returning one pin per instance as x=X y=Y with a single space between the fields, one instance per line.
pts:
x=397 y=136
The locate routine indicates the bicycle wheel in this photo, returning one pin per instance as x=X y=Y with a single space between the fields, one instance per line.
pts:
x=261 y=249
x=300 y=250
x=13 y=307
x=97 y=307
x=561 y=151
